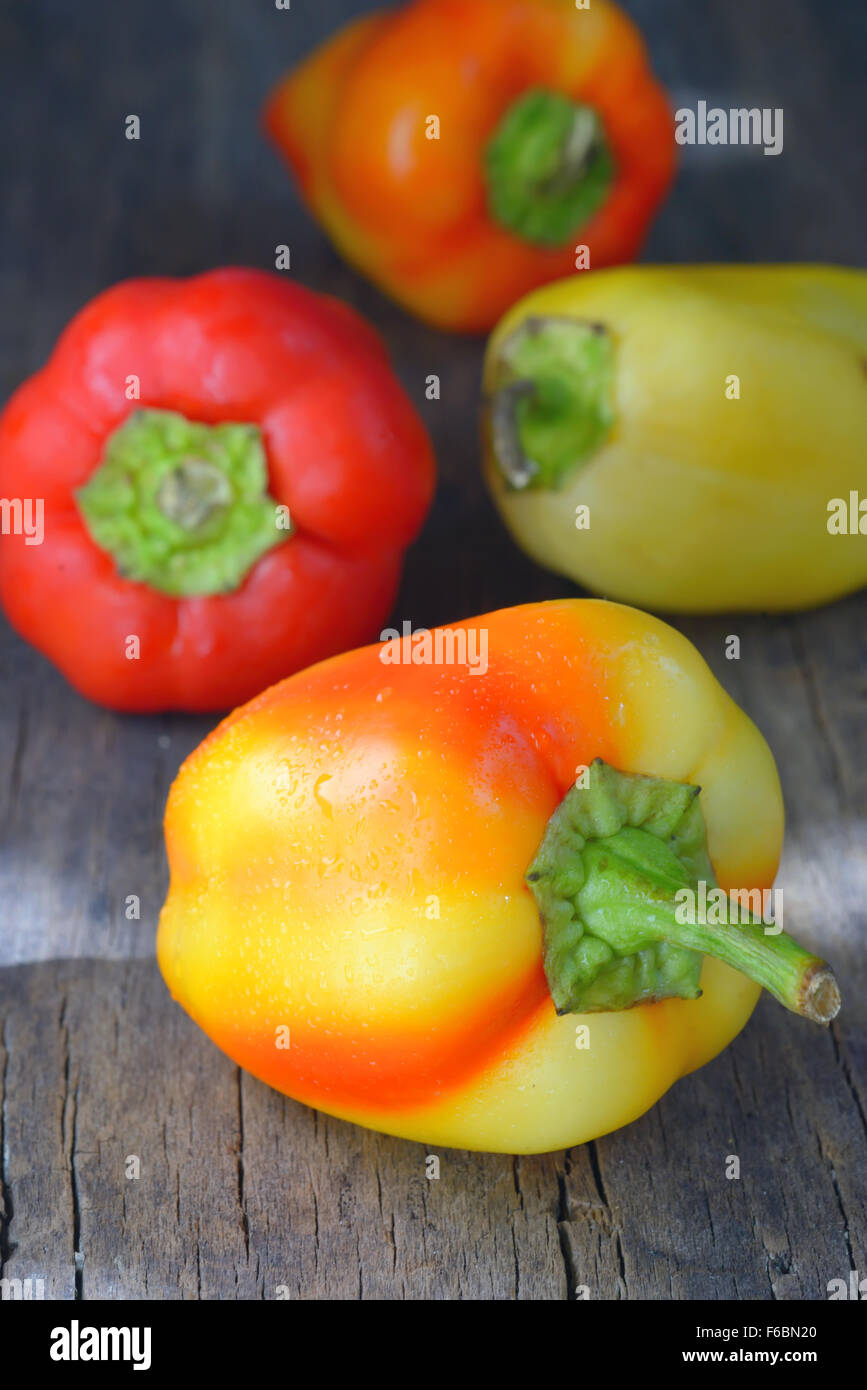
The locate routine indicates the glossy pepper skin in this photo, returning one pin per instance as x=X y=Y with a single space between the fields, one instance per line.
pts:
x=706 y=417
x=348 y=856
x=244 y=514
x=553 y=134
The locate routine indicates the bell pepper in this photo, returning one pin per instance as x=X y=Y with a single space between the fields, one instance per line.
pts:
x=683 y=438
x=461 y=152
x=229 y=474
x=440 y=896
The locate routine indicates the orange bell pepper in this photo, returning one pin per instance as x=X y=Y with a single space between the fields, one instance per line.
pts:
x=406 y=893
x=461 y=152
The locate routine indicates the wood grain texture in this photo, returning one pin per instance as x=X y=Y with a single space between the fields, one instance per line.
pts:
x=244 y=1194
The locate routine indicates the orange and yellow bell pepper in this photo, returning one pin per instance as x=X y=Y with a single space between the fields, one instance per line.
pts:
x=430 y=886
x=461 y=152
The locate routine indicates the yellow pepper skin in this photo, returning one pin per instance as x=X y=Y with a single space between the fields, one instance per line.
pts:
x=707 y=417
x=348 y=916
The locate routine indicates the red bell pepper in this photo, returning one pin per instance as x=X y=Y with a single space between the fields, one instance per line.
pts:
x=227 y=474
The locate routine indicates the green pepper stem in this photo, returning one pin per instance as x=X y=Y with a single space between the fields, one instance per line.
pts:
x=623 y=881
x=180 y=505
x=552 y=406
x=191 y=493
x=548 y=168
x=623 y=870
x=801 y=981
x=515 y=465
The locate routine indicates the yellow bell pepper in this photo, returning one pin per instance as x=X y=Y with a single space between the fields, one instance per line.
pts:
x=687 y=438
x=440 y=887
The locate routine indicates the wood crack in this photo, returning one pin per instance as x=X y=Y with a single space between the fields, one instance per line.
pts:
x=7 y=1210
x=596 y=1170
x=70 y=1101
x=242 y=1199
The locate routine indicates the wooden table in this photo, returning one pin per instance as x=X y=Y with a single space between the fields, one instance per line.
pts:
x=242 y=1193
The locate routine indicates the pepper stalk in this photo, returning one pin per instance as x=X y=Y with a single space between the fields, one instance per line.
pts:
x=548 y=168
x=609 y=881
x=552 y=406
x=180 y=505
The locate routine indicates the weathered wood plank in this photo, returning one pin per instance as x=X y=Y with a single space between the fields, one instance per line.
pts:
x=244 y=1194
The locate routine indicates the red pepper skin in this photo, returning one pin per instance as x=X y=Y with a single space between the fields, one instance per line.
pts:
x=345 y=450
